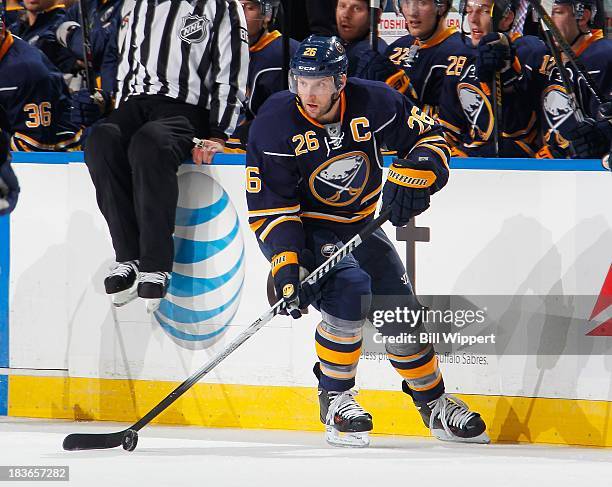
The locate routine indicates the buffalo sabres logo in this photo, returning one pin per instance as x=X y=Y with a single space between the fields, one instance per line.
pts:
x=476 y=106
x=193 y=28
x=340 y=180
x=557 y=108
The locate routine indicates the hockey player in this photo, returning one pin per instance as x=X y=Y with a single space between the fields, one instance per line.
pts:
x=515 y=58
x=168 y=93
x=591 y=137
x=9 y=186
x=104 y=17
x=35 y=98
x=353 y=24
x=312 y=183
x=430 y=53
x=265 y=64
x=38 y=27
x=101 y=15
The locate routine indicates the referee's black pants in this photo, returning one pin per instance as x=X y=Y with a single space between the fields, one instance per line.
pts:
x=133 y=158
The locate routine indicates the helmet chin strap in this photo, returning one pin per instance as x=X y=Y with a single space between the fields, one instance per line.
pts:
x=434 y=30
x=334 y=99
x=580 y=34
x=255 y=41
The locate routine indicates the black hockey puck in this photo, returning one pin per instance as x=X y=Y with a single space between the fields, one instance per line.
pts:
x=130 y=440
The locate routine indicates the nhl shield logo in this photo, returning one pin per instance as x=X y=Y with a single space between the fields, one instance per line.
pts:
x=193 y=29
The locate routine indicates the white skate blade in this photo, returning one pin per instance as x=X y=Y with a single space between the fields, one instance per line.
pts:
x=124 y=297
x=442 y=435
x=349 y=440
x=152 y=304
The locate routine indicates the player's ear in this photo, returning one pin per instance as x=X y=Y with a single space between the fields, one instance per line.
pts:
x=585 y=20
x=444 y=9
x=343 y=79
x=507 y=21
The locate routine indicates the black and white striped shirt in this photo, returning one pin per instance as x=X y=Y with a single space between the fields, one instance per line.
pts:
x=193 y=51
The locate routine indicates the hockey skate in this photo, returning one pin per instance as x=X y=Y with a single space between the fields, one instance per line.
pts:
x=346 y=423
x=152 y=287
x=121 y=283
x=450 y=419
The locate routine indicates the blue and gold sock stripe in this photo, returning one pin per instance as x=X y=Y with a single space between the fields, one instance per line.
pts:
x=421 y=372
x=338 y=350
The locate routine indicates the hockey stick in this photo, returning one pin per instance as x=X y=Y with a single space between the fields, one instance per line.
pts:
x=496 y=86
x=568 y=51
x=374 y=6
x=129 y=437
x=90 y=77
x=286 y=31
x=497 y=109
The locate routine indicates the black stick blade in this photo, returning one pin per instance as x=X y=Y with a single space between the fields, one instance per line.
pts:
x=93 y=441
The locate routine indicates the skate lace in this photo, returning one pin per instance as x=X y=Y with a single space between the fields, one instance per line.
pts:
x=154 y=277
x=452 y=411
x=123 y=269
x=344 y=404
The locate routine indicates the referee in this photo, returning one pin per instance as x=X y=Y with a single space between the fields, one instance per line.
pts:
x=182 y=74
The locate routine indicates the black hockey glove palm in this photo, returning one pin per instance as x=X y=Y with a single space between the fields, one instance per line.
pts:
x=495 y=53
x=590 y=138
x=409 y=185
x=287 y=274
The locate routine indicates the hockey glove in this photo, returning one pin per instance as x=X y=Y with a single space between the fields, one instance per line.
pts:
x=88 y=109
x=9 y=188
x=409 y=185
x=590 y=138
x=495 y=53
x=287 y=274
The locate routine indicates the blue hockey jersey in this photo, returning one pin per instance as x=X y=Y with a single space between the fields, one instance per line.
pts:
x=471 y=122
x=557 y=115
x=41 y=34
x=265 y=78
x=36 y=99
x=300 y=170
x=429 y=64
x=101 y=14
x=13 y=14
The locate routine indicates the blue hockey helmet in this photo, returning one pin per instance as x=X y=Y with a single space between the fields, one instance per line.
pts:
x=501 y=8
x=269 y=8
x=319 y=56
x=579 y=7
x=442 y=6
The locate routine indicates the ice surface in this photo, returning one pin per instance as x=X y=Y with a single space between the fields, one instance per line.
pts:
x=189 y=456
